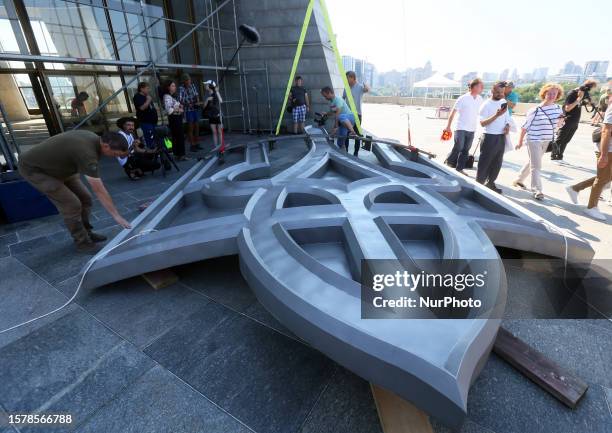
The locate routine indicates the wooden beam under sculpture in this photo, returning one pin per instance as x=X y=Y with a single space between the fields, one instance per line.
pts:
x=301 y=232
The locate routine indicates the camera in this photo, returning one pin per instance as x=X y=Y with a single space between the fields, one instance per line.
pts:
x=320 y=118
x=586 y=99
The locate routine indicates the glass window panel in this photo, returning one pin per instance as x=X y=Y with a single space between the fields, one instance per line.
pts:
x=121 y=35
x=29 y=98
x=116 y=106
x=158 y=29
x=22 y=80
x=138 y=35
x=8 y=29
x=8 y=43
x=66 y=28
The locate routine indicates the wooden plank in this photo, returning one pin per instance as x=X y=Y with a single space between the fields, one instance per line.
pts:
x=160 y=279
x=397 y=415
x=563 y=385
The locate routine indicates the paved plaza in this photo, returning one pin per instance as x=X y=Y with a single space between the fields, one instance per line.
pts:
x=204 y=355
x=391 y=121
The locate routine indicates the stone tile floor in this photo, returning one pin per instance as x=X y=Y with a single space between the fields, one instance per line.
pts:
x=203 y=354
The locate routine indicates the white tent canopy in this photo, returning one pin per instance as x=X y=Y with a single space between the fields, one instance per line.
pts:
x=437 y=81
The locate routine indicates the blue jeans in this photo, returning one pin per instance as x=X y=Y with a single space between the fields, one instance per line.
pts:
x=148 y=133
x=461 y=149
x=343 y=130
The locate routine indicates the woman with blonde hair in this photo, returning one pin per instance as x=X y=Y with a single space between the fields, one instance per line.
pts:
x=539 y=128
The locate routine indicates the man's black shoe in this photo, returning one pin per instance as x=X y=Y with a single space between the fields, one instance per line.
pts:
x=95 y=237
x=494 y=188
x=88 y=247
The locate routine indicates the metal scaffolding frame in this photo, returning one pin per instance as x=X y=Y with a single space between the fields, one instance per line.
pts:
x=130 y=70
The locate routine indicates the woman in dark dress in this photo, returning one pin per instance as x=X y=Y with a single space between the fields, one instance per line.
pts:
x=212 y=110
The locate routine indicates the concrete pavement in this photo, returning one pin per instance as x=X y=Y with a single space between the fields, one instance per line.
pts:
x=390 y=121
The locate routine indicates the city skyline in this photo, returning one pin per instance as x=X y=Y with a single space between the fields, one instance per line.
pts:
x=402 y=35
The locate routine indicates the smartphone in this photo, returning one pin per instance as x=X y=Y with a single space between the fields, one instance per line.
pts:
x=504 y=106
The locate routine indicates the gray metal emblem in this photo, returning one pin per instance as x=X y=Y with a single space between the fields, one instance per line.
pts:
x=302 y=233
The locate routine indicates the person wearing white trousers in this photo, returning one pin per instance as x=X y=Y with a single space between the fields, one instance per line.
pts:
x=539 y=130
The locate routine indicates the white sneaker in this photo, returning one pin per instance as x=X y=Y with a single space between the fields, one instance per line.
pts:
x=595 y=214
x=573 y=194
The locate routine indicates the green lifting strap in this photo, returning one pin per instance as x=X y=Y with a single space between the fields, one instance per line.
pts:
x=347 y=88
x=296 y=60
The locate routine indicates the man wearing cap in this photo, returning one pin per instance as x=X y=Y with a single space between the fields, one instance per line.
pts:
x=496 y=122
x=190 y=100
x=511 y=97
x=54 y=167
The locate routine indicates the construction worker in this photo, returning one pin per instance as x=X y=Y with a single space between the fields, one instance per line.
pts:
x=54 y=167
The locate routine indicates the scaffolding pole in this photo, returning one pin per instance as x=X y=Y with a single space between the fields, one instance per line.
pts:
x=149 y=66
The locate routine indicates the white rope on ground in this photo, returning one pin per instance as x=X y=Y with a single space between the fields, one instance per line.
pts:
x=94 y=259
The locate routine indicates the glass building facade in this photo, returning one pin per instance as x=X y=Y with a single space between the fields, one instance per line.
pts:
x=52 y=50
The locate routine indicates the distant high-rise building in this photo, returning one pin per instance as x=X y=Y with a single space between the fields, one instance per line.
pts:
x=359 y=69
x=527 y=76
x=568 y=68
x=539 y=74
x=515 y=75
x=596 y=69
x=348 y=62
x=505 y=74
x=490 y=76
x=369 y=75
x=427 y=70
x=450 y=75
x=465 y=79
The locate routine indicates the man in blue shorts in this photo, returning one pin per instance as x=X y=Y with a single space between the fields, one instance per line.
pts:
x=343 y=125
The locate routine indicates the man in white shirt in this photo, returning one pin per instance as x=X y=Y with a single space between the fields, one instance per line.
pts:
x=494 y=118
x=467 y=106
x=357 y=90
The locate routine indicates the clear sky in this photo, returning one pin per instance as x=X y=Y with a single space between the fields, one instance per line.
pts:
x=473 y=35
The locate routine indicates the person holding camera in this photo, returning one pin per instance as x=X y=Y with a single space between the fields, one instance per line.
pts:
x=344 y=118
x=573 y=108
x=139 y=158
x=495 y=120
x=539 y=128
x=175 y=110
x=212 y=110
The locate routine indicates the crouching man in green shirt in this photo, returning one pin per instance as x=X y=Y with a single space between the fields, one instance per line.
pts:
x=55 y=166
